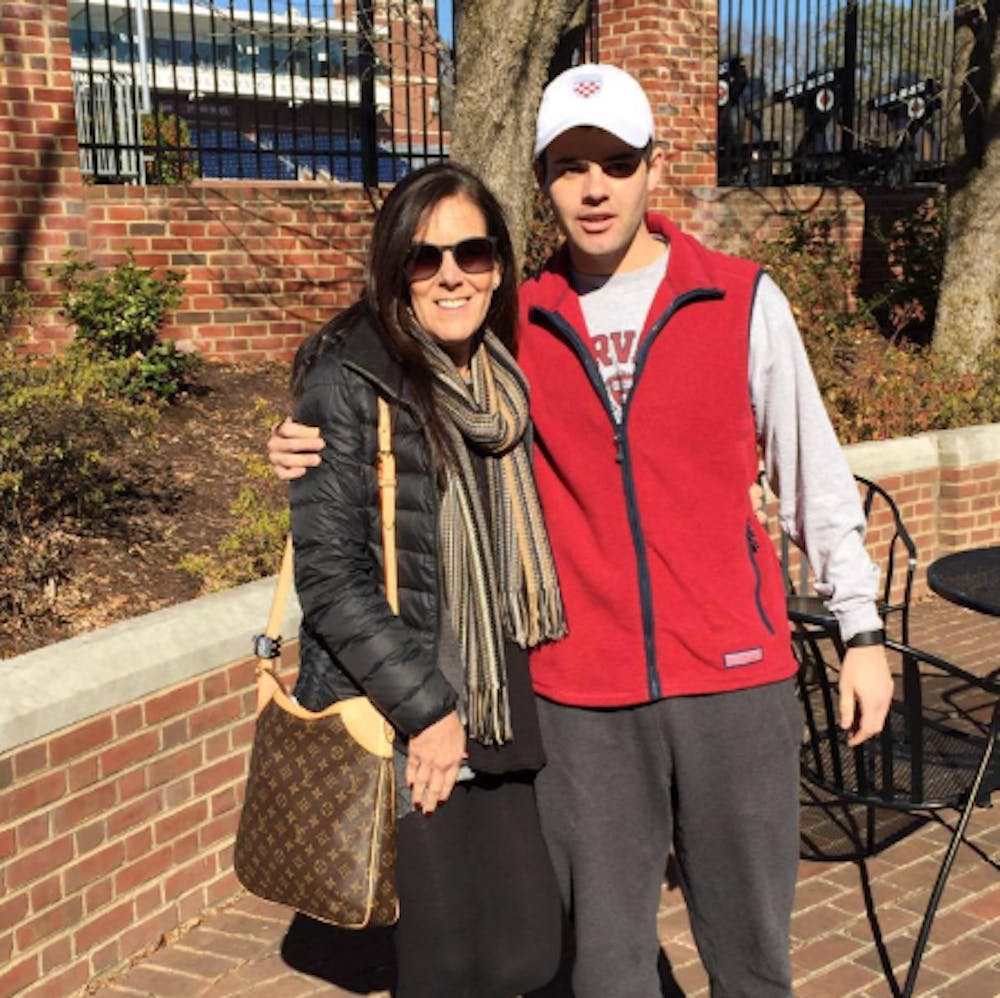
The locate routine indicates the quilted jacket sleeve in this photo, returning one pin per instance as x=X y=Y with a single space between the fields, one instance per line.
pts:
x=335 y=573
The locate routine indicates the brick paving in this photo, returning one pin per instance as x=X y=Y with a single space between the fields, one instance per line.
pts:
x=253 y=948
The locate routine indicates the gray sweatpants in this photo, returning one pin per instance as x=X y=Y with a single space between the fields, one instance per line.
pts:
x=715 y=776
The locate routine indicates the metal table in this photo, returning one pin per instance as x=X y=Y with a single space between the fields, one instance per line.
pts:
x=969 y=578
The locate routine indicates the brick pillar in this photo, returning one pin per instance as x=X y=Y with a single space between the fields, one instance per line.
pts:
x=41 y=206
x=671 y=47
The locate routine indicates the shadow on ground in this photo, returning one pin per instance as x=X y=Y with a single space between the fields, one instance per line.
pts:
x=357 y=960
x=832 y=832
x=362 y=961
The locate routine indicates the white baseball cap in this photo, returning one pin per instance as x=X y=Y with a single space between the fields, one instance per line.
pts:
x=597 y=95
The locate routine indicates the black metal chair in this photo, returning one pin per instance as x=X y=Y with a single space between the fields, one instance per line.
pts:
x=936 y=751
x=890 y=546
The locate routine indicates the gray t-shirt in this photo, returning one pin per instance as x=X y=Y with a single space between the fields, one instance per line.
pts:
x=615 y=309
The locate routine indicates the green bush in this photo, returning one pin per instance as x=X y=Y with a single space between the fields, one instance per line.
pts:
x=118 y=315
x=170 y=157
x=15 y=302
x=161 y=372
x=915 y=247
x=875 y=386
x=59 y=425
x=252 y=549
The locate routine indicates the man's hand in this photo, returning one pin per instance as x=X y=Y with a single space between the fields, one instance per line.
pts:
x=434 y=758
x=865 y=692
x=757 y=501
x=293 y=448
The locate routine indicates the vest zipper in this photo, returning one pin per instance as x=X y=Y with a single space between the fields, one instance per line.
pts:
x=623 y=454
x=752 y=546
x=642 y=562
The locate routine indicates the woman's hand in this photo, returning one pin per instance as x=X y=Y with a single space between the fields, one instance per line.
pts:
x=435 y=756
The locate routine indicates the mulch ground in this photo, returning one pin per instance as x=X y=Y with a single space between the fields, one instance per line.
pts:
x=182 y=477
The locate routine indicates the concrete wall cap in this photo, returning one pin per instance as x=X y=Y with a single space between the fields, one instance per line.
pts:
x=64 y=683
x=878 y=459
x=961 y=448
x=969 y=446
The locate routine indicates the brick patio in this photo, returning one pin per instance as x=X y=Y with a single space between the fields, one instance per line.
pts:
x=252 y=948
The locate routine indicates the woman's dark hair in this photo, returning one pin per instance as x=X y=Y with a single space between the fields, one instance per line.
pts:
x=386 y=295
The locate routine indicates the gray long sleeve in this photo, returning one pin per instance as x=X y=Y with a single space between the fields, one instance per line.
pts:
x=819 y=507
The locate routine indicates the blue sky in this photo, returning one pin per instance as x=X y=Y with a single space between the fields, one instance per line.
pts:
x=317 y=6
x=444 y=14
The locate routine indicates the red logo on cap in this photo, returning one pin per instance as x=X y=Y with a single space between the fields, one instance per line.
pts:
x=587 y=87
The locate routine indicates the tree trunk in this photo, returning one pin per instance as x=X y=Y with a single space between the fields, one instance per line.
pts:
x=504 y=50
x=968 y=314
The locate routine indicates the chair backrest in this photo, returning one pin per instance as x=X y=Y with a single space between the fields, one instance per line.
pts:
x=942 y=725
x=890 y=546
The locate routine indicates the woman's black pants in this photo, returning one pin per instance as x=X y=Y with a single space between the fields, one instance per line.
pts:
x=480 y=914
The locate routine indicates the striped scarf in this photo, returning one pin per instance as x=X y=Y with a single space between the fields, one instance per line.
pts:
x=511 y=566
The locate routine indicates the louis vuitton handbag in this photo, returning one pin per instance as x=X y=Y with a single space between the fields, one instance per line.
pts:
x=318 y=826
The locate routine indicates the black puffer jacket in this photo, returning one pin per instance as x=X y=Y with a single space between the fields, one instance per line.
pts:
x=350 y=636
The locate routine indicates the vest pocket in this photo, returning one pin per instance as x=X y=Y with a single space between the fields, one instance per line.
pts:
x=752 y=546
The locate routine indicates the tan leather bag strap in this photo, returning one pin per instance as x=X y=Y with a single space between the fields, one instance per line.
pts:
x=387 y=497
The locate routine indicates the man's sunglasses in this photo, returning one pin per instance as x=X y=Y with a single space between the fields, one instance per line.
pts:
x=619 y=167
x=473 y=256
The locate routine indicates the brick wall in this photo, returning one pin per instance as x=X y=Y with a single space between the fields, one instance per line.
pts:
x=970 y=506
x=265 y=263
x=733 y=218
x=670 y=47
x=41 y=211
x=119 y=829
x=945 y=509
x=918 y=495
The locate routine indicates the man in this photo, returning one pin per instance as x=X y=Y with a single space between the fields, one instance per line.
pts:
x=659 y=372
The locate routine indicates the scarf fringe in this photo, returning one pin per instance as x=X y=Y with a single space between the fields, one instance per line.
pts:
x=489 y=715
x=532 y=618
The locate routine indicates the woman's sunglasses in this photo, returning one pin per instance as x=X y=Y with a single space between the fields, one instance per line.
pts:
x=473 y=256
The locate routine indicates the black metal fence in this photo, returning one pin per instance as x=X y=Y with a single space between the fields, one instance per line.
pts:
x=170 y=90
x=350 y=90
x=827 y=91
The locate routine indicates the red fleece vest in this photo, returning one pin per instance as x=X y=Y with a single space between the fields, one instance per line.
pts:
x=670 y=584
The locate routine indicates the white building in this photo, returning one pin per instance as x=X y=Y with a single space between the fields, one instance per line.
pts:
x=275 y=94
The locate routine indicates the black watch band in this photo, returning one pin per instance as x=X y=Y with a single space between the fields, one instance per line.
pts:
x=864 y=638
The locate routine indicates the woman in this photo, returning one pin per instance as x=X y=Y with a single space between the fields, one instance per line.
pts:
x=432 y=333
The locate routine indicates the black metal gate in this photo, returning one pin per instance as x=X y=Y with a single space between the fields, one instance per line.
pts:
x=352 y=90
x=827 y=91
x=170 y=90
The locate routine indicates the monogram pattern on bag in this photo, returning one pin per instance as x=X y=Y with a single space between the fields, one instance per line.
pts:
x=318 y=828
